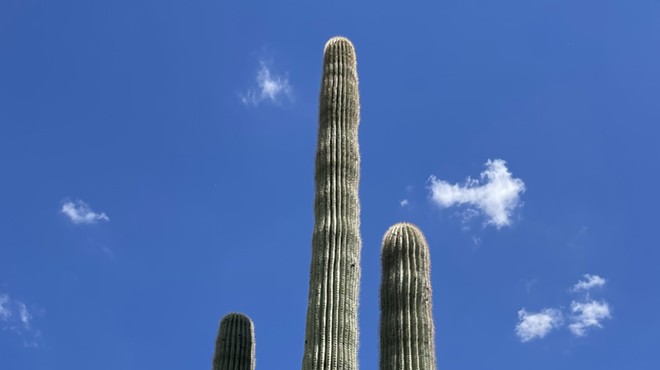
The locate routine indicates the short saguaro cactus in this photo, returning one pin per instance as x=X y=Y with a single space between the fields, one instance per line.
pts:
x=406 y=321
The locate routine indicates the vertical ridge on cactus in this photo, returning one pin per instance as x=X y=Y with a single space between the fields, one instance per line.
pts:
x=331 y=337
x=406 y=324
x=234 y=348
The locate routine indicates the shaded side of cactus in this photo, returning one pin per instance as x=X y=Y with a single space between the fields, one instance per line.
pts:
x=331 y=337
x=234 y=348
x=406 y=322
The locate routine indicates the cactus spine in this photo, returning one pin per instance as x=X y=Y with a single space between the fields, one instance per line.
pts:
x=406 y=322
x=331 y=337
x=234 y=348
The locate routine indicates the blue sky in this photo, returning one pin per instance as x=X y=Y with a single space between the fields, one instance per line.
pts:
x=157 y=173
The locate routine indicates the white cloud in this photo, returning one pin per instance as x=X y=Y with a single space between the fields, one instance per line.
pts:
x=24 y=314
x=5 y=313
x=588 y=314
x=15 y=317
x=79 y=212
x=270 y=87
x=592 y=281
x=496 y=195
x=404 y=202
x=537 y=325
x=584 y=314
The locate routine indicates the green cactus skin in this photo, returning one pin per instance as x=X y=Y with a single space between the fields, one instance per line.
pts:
x=331 y=337
x=234 y=348
x=406 y=322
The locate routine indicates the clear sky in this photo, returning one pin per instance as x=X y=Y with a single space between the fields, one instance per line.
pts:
x=157 y=166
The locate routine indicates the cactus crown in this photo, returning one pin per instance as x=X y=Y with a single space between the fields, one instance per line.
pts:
x=340 y=49
x=234 y=348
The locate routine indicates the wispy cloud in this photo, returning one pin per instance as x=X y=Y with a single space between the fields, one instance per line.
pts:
x=15 y=317
x=587 y=315
x=404 y=202
x=590 y=282
x=270 y=87
x=537 y=325
x=80 y=212
x=495 y=195
x=5 y=313
x=24 y=314
x=468 y=215
x=529 y=284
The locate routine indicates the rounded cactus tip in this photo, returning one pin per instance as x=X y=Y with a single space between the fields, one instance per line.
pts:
x=236 y=316
x=400 y=227
x=338 y=41
x=404 y=229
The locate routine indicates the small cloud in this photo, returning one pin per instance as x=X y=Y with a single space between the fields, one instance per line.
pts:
x=15 y=317
x=587 y=315
x=270 y=87
x=404 y=202
x=5 y=313
x=79 y=212
x=496 y=195
x=537 y=325
x=24 y=314
x=592 y=281
x=584 y=314
x=529 y=284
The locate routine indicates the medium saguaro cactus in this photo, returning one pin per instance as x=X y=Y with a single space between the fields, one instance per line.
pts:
x=234 y=348
x=331 y=337
x=406 y=321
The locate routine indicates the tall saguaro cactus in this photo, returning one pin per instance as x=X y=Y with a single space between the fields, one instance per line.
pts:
x=406 y=323
x=234 y=348
x=331 y=337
